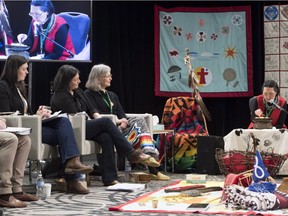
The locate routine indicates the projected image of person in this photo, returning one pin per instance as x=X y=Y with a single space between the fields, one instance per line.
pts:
x=6 y=35
x=48 y=34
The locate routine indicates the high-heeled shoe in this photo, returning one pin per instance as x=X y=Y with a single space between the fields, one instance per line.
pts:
x=138 y=156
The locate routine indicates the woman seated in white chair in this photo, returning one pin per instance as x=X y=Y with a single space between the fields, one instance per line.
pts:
x=107 y=102
x=69 y=98
x=57 y=132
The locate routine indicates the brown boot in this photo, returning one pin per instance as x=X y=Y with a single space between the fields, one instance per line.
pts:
x=76 y=187
x=138 y=156
x=12 y=203
x=75 y=165
x=25 y=197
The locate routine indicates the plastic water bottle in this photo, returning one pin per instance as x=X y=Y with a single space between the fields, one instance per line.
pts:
x=82 y=177
x=127 y=170
x=40 y=186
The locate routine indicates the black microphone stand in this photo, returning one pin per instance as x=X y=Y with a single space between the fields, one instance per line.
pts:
x=53 y=41
x=278 y=107
x=282 y=109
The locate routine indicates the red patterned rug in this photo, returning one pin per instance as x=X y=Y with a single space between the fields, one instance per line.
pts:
x=176 y=202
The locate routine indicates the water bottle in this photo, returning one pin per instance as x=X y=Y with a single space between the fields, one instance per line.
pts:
x=40 y=186
x=127 y=170
x=82 y=177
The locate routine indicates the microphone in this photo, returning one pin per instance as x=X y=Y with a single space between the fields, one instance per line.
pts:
x=275 y=104
x=36 y=26
x=57 y=44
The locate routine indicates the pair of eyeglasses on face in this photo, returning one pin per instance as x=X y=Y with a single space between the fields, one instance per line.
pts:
x=36 y=15
x=269 y=93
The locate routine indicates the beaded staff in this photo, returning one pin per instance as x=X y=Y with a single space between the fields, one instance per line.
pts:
x=192 y=83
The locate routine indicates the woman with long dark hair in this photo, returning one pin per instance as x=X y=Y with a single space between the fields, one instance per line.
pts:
x=69 y=98
x=57 y=131
x=269 y=104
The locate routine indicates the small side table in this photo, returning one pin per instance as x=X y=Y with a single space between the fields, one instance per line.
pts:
x=165 y=132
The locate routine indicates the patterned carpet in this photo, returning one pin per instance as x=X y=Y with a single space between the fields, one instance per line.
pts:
x=95 y=203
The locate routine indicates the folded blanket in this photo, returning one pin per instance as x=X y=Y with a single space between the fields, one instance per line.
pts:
x=250 y=200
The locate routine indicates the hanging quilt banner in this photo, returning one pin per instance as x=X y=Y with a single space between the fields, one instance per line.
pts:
x=276 y=45
x=218 y=43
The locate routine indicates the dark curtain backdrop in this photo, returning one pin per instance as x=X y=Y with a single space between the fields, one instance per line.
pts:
x=123 y=38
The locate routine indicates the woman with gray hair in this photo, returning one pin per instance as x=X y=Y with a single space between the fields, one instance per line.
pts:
x=107 y=102
x=69 y=98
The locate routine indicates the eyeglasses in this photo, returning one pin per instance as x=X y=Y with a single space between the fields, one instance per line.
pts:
x=269 y=93
x=36 y=15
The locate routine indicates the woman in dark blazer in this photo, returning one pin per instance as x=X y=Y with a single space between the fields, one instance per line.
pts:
x=69 y=98
x=55 y=132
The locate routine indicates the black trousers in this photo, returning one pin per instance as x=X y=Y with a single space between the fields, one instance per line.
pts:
x=104 y=132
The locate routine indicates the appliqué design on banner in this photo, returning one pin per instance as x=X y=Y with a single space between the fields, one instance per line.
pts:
x=220 y=50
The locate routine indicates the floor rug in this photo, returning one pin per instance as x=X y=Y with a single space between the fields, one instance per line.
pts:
x=177 y=203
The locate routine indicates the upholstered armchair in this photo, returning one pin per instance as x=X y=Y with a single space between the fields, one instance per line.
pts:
x=12 y=121
x=148 y=118
x=41 y=151
x=34 y=122
x=86 y=147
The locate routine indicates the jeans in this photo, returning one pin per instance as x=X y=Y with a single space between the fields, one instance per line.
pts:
x=104 y=132
x=60 y=132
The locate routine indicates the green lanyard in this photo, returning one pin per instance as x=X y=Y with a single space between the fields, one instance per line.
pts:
x=267 y=114
x=109 y=102
x=45 y=32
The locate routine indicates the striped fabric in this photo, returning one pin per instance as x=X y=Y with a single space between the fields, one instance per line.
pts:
x=183 y=115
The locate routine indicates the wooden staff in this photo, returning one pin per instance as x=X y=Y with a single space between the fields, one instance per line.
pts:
x=192 y=83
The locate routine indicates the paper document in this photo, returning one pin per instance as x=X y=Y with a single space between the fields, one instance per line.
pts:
x=17 y=130
x=53 y=116
x=126 y=187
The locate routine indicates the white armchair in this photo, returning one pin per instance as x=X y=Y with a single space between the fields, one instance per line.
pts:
x=41 y=151
x=148 y=118
x=86 y=147
x=12 y=121
x=38 y=150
